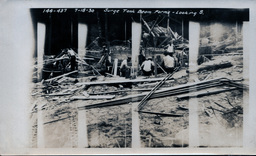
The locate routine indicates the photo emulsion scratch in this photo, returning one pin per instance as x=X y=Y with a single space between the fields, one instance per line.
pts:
x=138 y=78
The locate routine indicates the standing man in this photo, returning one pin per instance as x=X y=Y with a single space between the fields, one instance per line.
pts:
x=72 y=56
x=170 y=47
x=141 y=56
x=169 y=62
x=147 y=67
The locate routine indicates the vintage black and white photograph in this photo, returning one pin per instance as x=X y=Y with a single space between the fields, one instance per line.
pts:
x=101 y=77
x=118 y=78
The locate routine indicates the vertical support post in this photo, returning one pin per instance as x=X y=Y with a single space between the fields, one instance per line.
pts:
x=182 y=29
x=99 y=25
x=249 y=125
x=40 y=127
x=125 y=32
x=135 y=126
x=106 y=28
x=82 y=36
x=82 y=129
x=71 y=33
x=115 y=66
x=194 y=31
x=236 y=34
x=136 y=37
x=49 y=34
x=41 y=30
x=155 y=67
x=168 y=22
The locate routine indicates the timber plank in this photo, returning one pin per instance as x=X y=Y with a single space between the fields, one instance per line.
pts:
x=119 y=81
x=186 y=88
x=204 y=93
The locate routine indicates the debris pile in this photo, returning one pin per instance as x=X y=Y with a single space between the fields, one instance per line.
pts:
x=93 y=83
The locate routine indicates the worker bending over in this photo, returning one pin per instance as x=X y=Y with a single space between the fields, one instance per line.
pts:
x=147 y=67
x=125 y=69
x=169 y=62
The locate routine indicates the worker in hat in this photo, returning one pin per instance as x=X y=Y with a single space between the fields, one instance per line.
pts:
x=147 y=67
x=170 y=47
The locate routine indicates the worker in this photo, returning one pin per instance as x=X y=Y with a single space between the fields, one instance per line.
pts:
x=72 y=55
x=141 y=56
x=171 y=50
x=181 y=56
x=109 y=64
x=147 y=67
x=169 y=62
x=145 y=38
x=125 y=68
x=170 y=47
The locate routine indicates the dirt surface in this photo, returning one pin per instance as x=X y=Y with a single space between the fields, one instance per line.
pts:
x=111 y=127
x=216 y=129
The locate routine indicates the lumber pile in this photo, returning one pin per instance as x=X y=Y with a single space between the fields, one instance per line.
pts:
x=171 y=91
x=214 y=66
x=119 y=81
x=204 y=93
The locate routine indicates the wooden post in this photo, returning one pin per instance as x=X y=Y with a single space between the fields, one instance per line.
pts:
x=135 y=126
x=99 y=25
x=182 y=29
x=115 y=66
x=82 y=36
x=136 y=37
x=168 y=22
x=155 y=67
x=49 y=33
x=71 y=32
x=149 y=30
x=41 y=30
x=125 y=33
x=82 y=129
x=106 y=28
x=194 y=30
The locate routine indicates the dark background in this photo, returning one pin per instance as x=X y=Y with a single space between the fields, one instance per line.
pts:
x=62 y=28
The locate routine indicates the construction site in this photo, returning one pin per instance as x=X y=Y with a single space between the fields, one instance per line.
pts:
x=90 y=87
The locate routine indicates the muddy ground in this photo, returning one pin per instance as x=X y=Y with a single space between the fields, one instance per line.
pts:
x=111 y=127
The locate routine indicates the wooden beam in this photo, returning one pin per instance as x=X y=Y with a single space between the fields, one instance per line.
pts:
x=162 y=114
x=115 y=66
x=97 y=97
x=161 y=68
x=152 y=27
x=120 y=91
x=194 y=38
x=82 y=39
x=136 y=39
x=142 y=103
x=145 y=23
x=57 y=77
x=200 y=94
x=215 y=66
x=135 y=127
x=164 y=41
x=155 y=66
x=41 y=33
x=82 y=129
x=120 y=81
x=186 y=88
